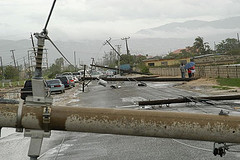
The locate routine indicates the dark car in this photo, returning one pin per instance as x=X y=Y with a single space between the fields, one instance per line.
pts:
x=27 y=89
x=64 y=81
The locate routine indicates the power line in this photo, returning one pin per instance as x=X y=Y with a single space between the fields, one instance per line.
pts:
x=45 y=28
x=59 y=50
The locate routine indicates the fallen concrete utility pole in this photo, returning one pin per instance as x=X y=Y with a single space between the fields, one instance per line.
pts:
x=122 y=70
x=202 y=127
x=188 y=99
x=142 y=79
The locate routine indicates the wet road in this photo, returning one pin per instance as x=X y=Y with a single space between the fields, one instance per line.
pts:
x=86 y=146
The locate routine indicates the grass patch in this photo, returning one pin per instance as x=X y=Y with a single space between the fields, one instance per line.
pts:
x=11 y=84
x=234 y=82
x=221 y=87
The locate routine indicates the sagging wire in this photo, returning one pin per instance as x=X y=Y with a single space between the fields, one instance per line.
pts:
x=58 y=50
x=188 y=97
x=204 y=149
x=60 y=147
x=191 y=146
x=43 y=154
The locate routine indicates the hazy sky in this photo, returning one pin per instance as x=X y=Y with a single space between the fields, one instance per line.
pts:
x=100 y=19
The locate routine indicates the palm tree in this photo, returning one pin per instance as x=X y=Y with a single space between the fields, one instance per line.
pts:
x=200 y=47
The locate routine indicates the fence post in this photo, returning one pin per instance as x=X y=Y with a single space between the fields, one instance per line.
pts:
x=227 y=72
x=236 y=72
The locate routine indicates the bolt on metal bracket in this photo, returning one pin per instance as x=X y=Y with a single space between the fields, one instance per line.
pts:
x=46 y=117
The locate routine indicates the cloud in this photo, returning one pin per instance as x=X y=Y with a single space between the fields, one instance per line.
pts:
x=93 y=18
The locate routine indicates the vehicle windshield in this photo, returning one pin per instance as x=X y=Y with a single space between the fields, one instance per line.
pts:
x=76 y=73
x=56 y=81
x=63 y=79
x=28 y=83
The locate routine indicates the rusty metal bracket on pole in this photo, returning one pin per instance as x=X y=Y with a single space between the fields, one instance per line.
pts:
x=19 y=127
x=36 y=142
x=46 y=118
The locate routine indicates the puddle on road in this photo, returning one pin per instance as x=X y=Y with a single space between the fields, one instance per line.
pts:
x=133 y=99
x=160 y=84
x=73 y=101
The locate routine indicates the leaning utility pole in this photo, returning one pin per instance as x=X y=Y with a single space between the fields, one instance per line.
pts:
x=13 y=56
x=108 y=42
x=126 y=38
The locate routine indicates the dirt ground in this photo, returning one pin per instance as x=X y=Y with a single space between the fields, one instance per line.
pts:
x=205 y=86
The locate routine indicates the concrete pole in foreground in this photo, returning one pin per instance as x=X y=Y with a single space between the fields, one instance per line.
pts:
x=191 y=126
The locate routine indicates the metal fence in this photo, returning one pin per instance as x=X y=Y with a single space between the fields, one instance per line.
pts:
x=202 y=71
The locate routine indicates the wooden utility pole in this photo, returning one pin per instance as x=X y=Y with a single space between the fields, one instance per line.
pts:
x=75 y=63
x=118 y=48
x=25 y=67
x=13 y=56
x=1 y=64
x=238 y=37
x=92 y=65
x=83 y=83
x=126 y=38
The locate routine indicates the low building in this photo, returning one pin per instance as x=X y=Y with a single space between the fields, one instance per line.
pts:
x=165 y=62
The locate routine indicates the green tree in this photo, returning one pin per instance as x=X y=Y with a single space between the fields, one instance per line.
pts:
x=55 y=68
x=70 y=68
x=11 y=72
x=228 y=46
x=200 y=47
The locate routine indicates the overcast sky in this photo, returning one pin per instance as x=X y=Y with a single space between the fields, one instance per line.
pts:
x=100 y=19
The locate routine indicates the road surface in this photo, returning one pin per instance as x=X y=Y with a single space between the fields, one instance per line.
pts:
x=90 y=146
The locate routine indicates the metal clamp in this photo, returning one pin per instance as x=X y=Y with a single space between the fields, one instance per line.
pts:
x=46 y=117
x=19 y=127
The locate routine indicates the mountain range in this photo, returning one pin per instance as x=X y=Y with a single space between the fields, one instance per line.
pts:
x=189 y=28
x=152 y=41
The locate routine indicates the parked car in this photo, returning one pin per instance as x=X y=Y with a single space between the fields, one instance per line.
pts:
x=78 y=75
x=97 y=74
x=56 y=85
x=71 y=80
x=65 y=81
x=110 y=73
x=67 y=73
x=27 y=89
x=76 y=80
